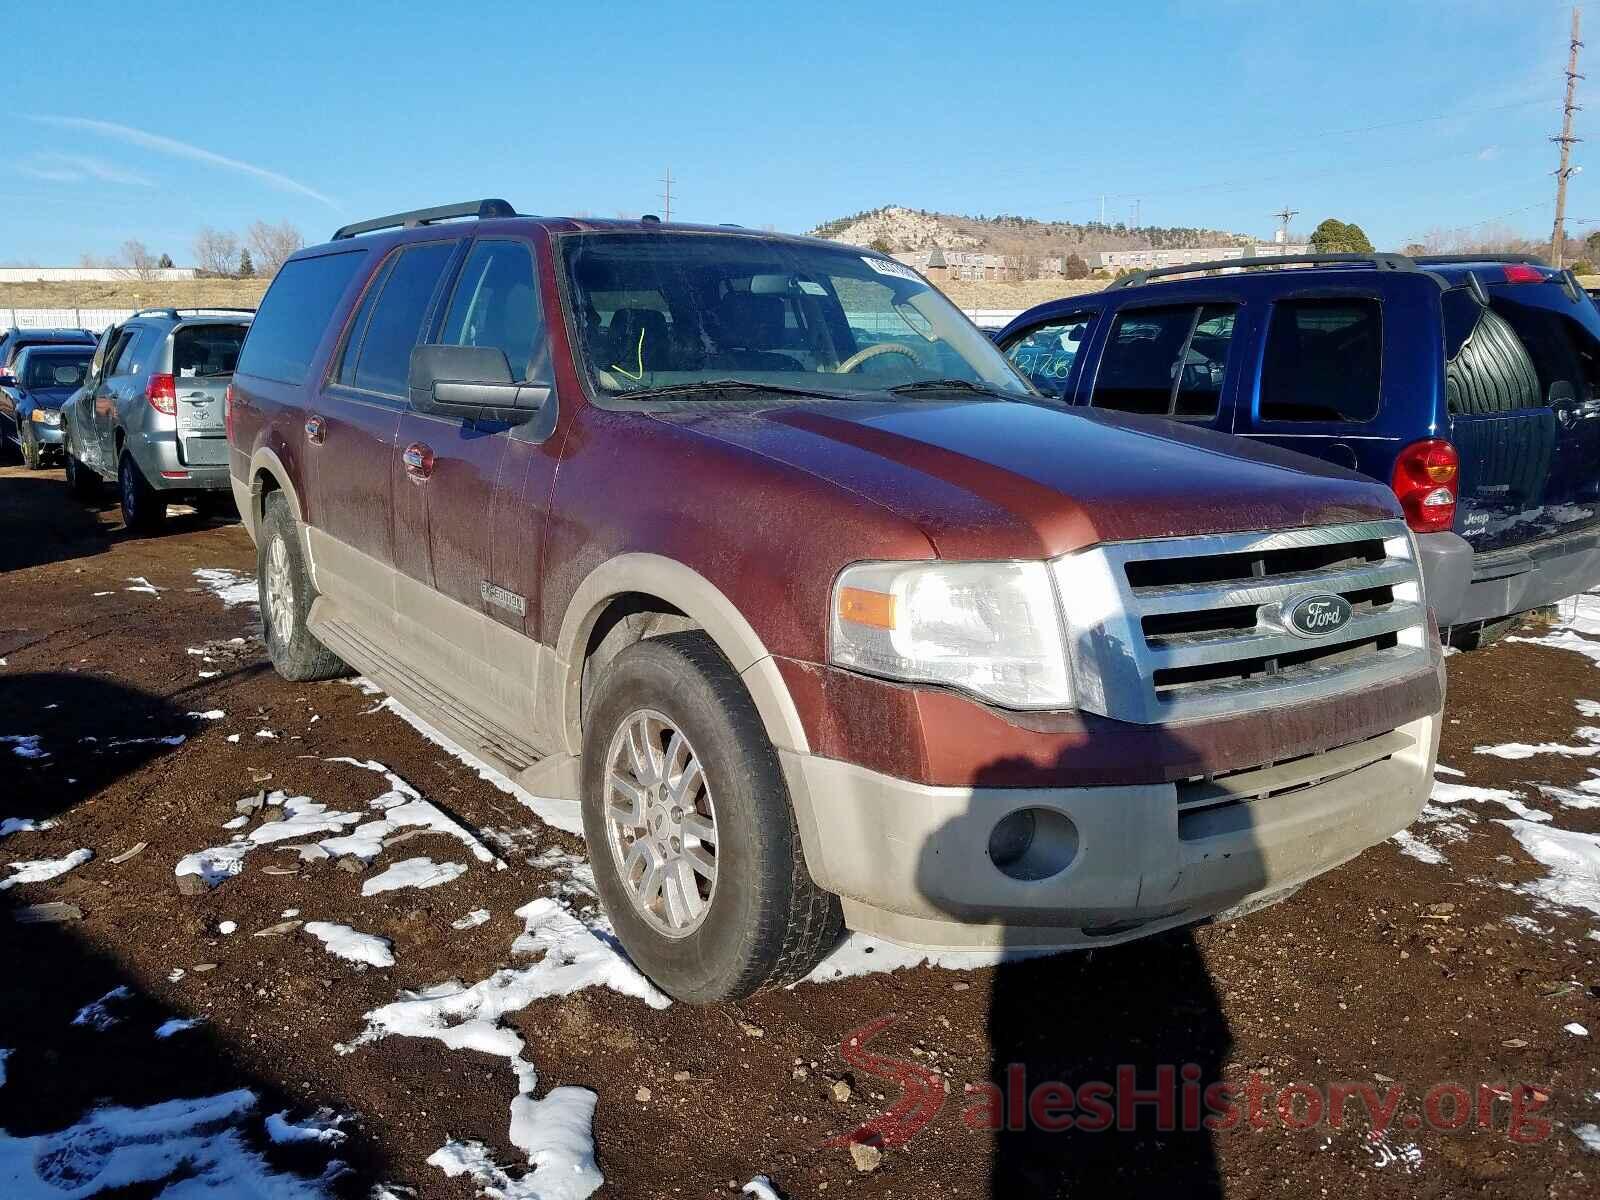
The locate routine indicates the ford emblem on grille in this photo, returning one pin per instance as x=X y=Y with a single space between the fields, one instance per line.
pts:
x=1318 y=616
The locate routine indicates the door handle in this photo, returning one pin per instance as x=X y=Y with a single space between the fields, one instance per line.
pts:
x=316 y=430
x=419 y=461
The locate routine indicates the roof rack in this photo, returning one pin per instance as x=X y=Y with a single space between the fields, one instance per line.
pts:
x=1382 y=262
x=482 y=209
x=167 y=310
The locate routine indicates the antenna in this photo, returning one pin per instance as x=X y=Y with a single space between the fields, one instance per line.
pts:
x=666 y=195
x=1284 y=215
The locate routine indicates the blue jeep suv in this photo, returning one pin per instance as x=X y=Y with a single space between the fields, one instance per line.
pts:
x=1470 y=386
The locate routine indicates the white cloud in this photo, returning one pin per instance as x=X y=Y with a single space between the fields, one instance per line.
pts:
x=1489 y=154
x=177 y=149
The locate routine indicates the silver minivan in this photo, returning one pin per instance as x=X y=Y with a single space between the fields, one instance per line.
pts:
x=152 y=412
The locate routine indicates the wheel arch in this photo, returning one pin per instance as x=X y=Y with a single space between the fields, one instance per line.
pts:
x=653 y=584
x=268 y=475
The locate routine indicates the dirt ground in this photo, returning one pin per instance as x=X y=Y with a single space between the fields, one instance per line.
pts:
x=1390 y=972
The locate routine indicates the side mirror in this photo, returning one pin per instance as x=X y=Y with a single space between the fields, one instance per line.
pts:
x=470 y=377
x=7 y=379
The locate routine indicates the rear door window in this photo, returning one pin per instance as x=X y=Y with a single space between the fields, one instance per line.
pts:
x=1047 y=353
x=384 y=363
x=1324 y=361
x=294 y=315
x=1168 y=362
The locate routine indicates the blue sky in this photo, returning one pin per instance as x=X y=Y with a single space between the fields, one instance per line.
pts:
x=1209 y=113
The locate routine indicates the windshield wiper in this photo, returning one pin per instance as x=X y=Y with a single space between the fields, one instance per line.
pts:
x=921 y=386
x=725 y=385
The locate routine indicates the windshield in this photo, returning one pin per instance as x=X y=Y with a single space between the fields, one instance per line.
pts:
x=675 y=310
x=54 y=370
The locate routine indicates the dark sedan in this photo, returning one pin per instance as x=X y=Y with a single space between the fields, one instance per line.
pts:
x=44 y=377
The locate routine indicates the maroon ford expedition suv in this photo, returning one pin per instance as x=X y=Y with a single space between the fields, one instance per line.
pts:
x=757 y=549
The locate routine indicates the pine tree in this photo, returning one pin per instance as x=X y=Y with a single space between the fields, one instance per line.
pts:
x=165 y=263
x=247 y=269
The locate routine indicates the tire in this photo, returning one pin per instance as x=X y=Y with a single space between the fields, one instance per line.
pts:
x=143 y=509
x=81 y=481
x=286 y=596
x=760 y=921
x=31 y=455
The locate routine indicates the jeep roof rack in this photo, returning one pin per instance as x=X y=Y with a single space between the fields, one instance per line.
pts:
x=481 y=209
x=168 y=310
x=1434 y=260
x=1381 y=262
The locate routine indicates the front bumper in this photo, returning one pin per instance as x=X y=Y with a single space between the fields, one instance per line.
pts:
x=1464 y=587
x=164 y=468
x=910 y=862
x=46 y=437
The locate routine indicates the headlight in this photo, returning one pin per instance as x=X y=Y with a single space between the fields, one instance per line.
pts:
x=992 y=629
x=45 y=416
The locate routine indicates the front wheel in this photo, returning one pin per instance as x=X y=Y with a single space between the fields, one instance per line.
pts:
x=143 y=509
x=31 y=454
x=691 y=833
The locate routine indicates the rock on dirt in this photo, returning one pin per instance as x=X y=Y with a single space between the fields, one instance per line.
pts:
x=867 y=1157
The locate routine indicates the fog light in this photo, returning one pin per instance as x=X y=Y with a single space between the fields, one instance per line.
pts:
x=1033 y=843
x=1011 y=838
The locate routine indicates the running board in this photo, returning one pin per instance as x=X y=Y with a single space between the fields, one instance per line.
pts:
x=505 y=750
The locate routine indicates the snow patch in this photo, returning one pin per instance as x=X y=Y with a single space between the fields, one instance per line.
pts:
x=24 y=745
x=472 y=920
x=177 y=1025
x=230 y=587
x=413 y=872
x=1460 y=793
x=11 y=825
x=343 y=942
x=42 y=869
x=141 y=584
x=97 y=1014
x=198 y=1147
x=1572 y=858
x=760 y=1187
x=1414 y=847
x=1515 y=751
x=211 y=714
x=322 y=1126
x=1589 y=1135
x=403 y=807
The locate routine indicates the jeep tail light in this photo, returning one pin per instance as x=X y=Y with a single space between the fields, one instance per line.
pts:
x=227 y=413
x=1523 y=273
x=162 y=392
x=1427 y=476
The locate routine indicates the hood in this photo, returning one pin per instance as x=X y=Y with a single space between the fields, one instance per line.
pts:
x=998 y=479
x=51 y=397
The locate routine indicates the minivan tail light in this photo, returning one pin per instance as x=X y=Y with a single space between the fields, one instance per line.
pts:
x=1523 y=273
x=1427 y=478
x=162 y=392
x=227 y=412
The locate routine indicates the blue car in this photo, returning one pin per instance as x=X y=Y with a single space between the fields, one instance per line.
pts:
x=1470 y=386
x=42 y=378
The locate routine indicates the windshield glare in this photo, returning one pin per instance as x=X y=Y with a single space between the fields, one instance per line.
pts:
x=53 y=370
x=665 y=309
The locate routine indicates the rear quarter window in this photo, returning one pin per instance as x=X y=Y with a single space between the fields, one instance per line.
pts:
x=294 y=314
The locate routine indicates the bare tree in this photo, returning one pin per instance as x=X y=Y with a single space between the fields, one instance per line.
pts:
x=272 y=244
x=216 y=252
x=138 y=259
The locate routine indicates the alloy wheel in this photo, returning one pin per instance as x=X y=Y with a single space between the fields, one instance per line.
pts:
x=280 y=591
x=661 y=823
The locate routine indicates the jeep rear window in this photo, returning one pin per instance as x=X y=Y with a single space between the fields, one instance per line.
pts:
x=1564 y=354
x=677 y=309
x=294 y=314
x=1324 y=361
x=1166 y=362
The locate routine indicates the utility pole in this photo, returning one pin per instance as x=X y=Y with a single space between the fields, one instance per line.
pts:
x=1284 y=216
x=1558 y=235
x=1136 y=204
x=1102 y=209
x=666 y=196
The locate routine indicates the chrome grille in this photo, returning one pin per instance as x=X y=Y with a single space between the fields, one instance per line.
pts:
x=1179 y=629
